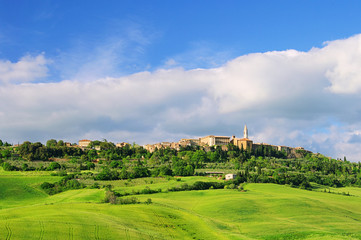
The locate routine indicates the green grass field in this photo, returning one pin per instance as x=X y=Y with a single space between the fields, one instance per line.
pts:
x=123 y=186
x=264 y=211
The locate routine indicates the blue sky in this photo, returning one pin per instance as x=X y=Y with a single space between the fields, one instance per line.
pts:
x=150 y=71
x=173 y=28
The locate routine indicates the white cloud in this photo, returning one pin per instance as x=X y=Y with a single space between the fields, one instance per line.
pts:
x=285 y=97
x=345 y=75
x=27 y=69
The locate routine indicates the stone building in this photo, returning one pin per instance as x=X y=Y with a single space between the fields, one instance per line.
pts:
x=285 y=149
x=243 y=143
x=152 y=147
x=230 y=176
x=184 y=142
x=84 y=143
x=214 y=140
x=122 y=144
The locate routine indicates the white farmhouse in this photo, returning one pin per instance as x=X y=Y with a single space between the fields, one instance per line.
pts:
x=230 y=176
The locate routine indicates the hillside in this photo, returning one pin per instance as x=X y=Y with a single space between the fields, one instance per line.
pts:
x=263 y=211
x=60 y=192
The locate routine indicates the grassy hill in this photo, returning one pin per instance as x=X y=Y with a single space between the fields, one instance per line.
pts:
x=264 y=211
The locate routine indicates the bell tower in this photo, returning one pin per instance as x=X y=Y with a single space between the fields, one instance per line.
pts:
x=245 y=132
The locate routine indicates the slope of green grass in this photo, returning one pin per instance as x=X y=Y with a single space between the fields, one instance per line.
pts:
x=264 y=211
x=153 y=183
x=269 y=211
x=20 y=189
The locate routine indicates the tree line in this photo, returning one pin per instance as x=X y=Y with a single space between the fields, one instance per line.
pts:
x=264 y=164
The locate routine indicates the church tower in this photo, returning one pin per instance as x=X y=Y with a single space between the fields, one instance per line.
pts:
x=245 y=132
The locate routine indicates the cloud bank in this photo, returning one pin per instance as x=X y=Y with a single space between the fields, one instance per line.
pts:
x=286 y=97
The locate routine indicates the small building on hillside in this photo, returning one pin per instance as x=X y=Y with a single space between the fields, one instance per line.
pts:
x=84 y=143
x=230 y=176
x=122 y=144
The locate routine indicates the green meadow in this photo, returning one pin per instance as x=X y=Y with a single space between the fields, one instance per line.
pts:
x=263 y=211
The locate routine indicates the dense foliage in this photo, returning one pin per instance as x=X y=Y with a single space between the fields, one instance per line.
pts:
x=66 y=183
x=264 y=165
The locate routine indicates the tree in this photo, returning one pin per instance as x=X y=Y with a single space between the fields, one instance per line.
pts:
x=92 y=154
x=199 y=157
x=107 y=174
x=123 y=173
x=106 y=145
x=53 y=166
x=259 y=170
x=92 y=144
x=140 y=171
x=189 y=170
x=110 y=197
x=214 y=156
x=33 y=151
x=5 y=153
x=90 y=165
x=8 y=167
x=51 y=143
x=24 y=167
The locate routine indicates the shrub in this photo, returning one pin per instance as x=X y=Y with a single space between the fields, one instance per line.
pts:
x=53 y=166
x=46 y=185
x=66 y=183
x=130 y=200
x=95 y=186
x=115 y=164
x=60 y=173
x=73 y=184
x=8 y=167
x=110 y=197
x=147 y=190
x=24 y=167
x=107 y=174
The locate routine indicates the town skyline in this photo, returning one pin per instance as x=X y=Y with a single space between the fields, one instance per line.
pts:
x=244 y=143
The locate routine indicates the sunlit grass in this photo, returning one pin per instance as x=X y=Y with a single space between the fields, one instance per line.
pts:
x=264 y=211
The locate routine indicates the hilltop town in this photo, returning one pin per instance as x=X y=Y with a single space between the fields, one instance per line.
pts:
x=223 y=141
x=206 y=142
